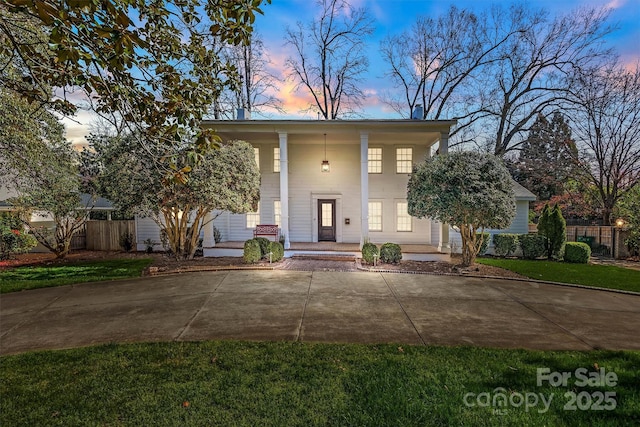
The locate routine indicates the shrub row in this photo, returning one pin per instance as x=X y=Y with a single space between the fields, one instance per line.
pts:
x=260 y=247
x=391 y=253
x=535 y=246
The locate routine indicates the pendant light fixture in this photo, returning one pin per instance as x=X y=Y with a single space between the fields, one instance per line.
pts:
x=325 y=163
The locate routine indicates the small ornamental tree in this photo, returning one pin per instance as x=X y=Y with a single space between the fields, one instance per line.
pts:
x=223 y=180
x=42 y=168
x=470 y=191
x=553 y=226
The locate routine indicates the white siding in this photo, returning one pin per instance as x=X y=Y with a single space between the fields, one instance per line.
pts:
x=391 y=187
x=307 y=183
x=146 y=228
x=519 y=225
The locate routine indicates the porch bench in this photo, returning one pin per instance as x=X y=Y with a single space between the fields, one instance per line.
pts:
x=265 y=230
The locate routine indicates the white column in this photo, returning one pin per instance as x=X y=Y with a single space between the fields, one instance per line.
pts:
x=444 y=143
x=364 y=187
x=208 y=241
x=284 y=189
x=443 y=240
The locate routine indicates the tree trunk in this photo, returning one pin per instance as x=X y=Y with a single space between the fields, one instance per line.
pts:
x=469 y=250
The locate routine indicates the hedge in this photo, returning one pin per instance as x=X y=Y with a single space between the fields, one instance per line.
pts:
x=533 y=245
x=577 y=252
x=264 y=244
x=505 y=244
x=277 y=251
x=252 y=252
x=369 y=252
x=390 y=253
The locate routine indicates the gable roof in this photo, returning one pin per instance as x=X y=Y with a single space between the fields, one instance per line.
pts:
x=522 y=193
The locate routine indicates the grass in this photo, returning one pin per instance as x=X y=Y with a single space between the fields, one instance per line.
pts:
x=300 y=384
x=604 y=276
x=23 y=278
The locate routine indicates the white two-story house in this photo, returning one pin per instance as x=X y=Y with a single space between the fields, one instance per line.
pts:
x=342 y=181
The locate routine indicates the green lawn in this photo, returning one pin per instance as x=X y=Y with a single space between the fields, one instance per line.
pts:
x=604 y=276
x=300 y=384
x=22 y=278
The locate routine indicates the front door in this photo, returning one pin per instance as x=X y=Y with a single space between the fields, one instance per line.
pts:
x=326 y=220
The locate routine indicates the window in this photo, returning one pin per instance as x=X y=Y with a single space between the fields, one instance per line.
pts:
x=404 y=160
x=256 y=152
x=374 y=160
x=375 y=216
x=253 y=218
x=276 y=159
x=277 y=212
x=403 y=219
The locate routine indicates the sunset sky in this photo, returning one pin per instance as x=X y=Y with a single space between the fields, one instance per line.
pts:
x=391 y=17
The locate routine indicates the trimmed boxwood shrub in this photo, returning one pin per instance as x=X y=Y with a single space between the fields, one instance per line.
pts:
x=485 y=242
x=577 y=252
x=390 y=253
x=369 y=250
x=264 y=244
x=533 y=245
x=277 y=251
x=252 y=251
x=505 y=244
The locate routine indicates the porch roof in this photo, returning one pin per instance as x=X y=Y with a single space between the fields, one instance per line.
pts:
x=340 y=131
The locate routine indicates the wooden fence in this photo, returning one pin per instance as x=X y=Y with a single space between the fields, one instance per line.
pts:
x=105 y=235
x=79 y=239
x=604 y=240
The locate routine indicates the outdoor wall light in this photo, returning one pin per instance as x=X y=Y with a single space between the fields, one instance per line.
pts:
x=325 y=163
x=619 y=222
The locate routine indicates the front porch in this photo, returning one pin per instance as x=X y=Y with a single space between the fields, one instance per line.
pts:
x=409 y=252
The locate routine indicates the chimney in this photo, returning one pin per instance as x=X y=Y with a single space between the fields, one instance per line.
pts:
x=418 y=112
x=242 y=114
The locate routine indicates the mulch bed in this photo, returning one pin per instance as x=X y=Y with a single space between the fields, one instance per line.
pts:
x=163 y=264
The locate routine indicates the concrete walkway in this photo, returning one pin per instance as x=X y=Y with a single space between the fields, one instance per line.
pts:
x=322 y=306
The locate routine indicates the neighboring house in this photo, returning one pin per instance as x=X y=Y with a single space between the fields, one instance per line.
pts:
x=343 y=181
x=45 y=219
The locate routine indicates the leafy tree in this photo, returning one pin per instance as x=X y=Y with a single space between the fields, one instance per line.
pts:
x=545 y=162
x=13 y=238
x=154 y=65
x=41 y=166
x=225 y=180
x=470 y=191
x=329 y=61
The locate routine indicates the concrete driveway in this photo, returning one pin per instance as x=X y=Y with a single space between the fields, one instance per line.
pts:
x=355 y=307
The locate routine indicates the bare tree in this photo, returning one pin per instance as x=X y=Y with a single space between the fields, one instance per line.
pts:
x=532 y=74
x=606 y=125
x=256 y=88
x=433 y=65
x=329 y=57
x=493 y=72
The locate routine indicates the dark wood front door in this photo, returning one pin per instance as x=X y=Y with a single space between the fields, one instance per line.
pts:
x=326 y=220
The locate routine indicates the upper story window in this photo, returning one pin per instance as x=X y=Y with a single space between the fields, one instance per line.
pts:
x=404 y=160
x=374 y=160
x=276 y=159
x=256 y=152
